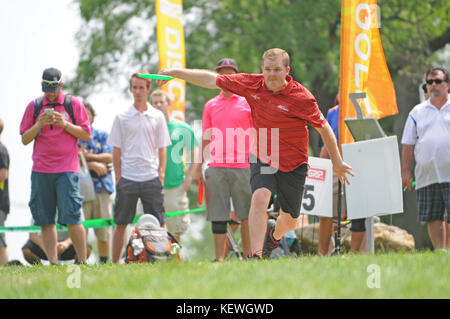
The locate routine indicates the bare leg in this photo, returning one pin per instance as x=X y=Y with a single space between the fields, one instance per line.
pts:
x=245 y=237
x=3 y=255
x=285 y=223
x=325 y=232
x=103 y=248
x=50 y=239
x=258 y=219
x=358 y=242
x=88 y=253
x=219 y=245
x=78 y=235
x=436 y=233
x=118 y=242
x=447 y=233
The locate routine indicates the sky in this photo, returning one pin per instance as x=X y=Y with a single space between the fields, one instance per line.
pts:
x=36 y=35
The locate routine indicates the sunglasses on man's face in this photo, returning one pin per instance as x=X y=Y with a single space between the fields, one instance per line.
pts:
x=437 y=81
x=51 y=83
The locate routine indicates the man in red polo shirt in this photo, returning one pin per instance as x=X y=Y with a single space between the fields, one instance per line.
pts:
x=281 y=109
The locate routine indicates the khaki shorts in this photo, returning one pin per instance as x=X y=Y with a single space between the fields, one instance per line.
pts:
x=221 y=185
x=99 y=208
x=175 y=200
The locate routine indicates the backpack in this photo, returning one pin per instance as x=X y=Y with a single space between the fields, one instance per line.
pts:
x=38 y=103
x=149 y=243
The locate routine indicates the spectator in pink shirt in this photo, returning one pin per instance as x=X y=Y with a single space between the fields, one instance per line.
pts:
x=55 y=130
x=227 y=128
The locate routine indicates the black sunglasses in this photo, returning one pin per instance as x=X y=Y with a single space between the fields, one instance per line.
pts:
x=437 y=81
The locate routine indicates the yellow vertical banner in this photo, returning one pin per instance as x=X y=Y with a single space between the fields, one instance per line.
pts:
x=170 y=37
x=363 y=68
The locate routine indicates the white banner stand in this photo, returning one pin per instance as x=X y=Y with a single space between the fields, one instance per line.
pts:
x=376 y=188
x=318 y=191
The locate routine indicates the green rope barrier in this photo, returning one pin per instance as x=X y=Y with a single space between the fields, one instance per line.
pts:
x=93 y=223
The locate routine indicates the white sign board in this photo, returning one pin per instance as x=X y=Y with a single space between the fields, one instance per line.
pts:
x=318 y=192
x=376 y=188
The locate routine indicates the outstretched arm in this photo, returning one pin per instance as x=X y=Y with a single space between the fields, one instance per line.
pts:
x=203 y=78
x=339 y=166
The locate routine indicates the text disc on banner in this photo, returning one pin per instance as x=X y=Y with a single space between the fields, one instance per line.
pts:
x=318 y=193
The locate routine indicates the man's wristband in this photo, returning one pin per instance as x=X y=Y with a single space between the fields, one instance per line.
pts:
x=66 y=126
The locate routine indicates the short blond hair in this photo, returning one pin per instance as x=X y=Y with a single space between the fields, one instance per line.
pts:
x=136 y=75
x=159 y=92
x=274 y=53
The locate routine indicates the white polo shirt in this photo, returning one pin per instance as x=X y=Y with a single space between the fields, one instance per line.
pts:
x=139 y=136
x=429 y=130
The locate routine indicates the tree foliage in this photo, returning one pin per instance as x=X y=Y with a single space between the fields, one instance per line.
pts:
x=118 y=37
x=413 y=31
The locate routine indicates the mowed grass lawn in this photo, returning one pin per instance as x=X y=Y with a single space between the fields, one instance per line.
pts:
x=402 y=275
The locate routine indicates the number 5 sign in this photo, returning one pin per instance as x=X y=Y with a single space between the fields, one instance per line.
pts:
x=318 y=193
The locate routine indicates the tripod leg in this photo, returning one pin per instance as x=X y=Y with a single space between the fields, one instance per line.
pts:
x=234 y=247
x=338 y=248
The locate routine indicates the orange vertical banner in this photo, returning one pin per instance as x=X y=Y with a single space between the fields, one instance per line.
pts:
x=363 y=66
x=171 y=49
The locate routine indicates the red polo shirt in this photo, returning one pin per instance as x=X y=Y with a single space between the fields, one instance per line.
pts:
x=280 y=118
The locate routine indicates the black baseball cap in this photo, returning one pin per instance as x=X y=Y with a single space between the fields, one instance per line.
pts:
x=51 y=80
x=227 y=63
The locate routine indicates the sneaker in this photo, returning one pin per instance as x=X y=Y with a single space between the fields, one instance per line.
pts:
x=269 y=242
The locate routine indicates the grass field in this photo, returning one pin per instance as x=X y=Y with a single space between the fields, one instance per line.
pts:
x=409 y=275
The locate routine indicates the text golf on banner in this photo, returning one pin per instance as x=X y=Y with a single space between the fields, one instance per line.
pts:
x=364 y=76
x=318 y=193
x=170 y=36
